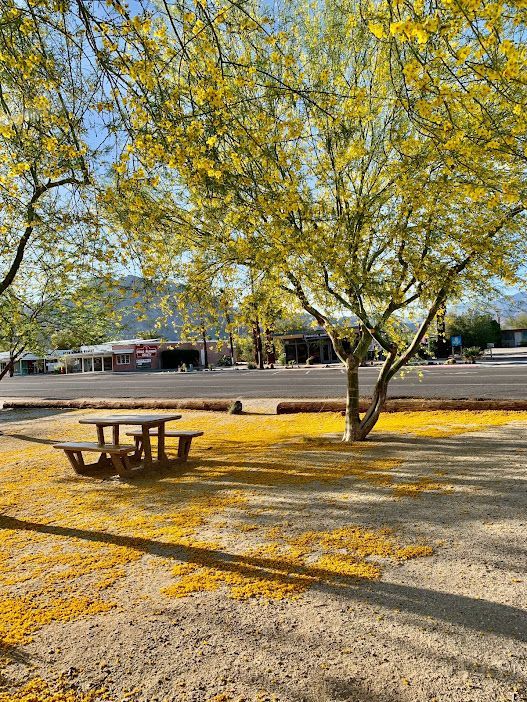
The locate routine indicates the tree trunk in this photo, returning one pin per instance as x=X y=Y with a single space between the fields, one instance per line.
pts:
x=205 y=351
x=270 y=350
x=258 y=346
x=379 y=395
x=352 y=430
x=374 y=410
x=231 y=344
x=443 y=349
x=231 y=338
x=10 y=368
x=6 y=370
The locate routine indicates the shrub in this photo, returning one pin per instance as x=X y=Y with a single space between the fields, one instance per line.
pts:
x=472 y=354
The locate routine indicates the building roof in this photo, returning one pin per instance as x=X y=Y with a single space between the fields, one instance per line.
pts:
x=4 y=356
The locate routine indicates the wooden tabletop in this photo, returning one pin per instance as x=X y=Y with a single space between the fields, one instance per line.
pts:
x=130 y=419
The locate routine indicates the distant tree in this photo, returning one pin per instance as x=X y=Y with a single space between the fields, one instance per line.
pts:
x=477 y=329
x=83 y=316
x=45 y=312
x=25 y=319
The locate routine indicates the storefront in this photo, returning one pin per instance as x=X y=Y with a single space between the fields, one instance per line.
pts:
x=136 y=355
x=121 y=357
x=89 y=359
x=29 y=364
x=317 y=347
x=513 y=338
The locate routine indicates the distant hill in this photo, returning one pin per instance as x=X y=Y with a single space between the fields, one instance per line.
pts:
x=143 y=323
x=512 y=306
x=504 y=308
x=508 y=306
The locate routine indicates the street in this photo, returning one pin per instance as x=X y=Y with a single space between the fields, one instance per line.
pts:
x=461 y=381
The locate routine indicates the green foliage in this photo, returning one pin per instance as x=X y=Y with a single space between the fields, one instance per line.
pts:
x=362 y=161
x=24 y=325
x=44 y=313
x=49 y=96
x=83 y=319
x=245 y=349
x=475 y=328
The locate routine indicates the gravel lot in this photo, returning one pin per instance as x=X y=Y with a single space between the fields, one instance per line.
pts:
x=450 y=627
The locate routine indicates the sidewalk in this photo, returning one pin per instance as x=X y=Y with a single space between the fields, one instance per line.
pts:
x=514 y=356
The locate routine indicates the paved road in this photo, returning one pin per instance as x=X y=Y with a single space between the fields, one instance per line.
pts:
x=484 y=381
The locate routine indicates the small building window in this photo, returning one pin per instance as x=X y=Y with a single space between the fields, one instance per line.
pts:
x=122 y=359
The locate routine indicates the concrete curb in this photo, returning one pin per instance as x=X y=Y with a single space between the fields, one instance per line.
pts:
x=143 y=403
x=282 y=407
x=405 y=405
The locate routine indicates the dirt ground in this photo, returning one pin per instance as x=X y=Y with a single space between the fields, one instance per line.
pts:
x=277 y=564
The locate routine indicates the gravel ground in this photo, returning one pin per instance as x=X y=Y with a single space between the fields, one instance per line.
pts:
x=451 y=627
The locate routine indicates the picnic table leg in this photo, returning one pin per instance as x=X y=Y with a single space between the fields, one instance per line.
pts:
x=103 y=460
x=184 y=447
x=121 y=465
x=161 y=455
x=147 y=446
x=100 y=435
x=116 y=434
x=138 y=448
x=73 y=460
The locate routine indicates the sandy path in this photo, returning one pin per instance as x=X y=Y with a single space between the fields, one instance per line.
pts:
x=450 y=627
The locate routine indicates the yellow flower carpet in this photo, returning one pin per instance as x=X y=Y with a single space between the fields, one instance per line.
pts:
x=70 y=544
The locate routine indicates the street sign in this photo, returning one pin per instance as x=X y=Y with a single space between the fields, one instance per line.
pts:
x=456 y=341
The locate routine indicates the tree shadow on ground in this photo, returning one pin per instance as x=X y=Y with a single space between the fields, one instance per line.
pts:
x=19 y=415
x=11 y=654
x=459 y=610
x=293 y=481
x=31 y=439
x=332 y=689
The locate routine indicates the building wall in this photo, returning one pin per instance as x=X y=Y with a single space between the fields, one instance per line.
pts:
x=215 y=351
x=512 y=338
x=142 y=357
x=138 y=362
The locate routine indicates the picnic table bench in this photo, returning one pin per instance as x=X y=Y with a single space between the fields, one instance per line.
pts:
x=185 y=440
x=118 y=455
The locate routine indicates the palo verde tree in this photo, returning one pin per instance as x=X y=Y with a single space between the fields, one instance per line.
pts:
x=54 y=144
x=315 y=148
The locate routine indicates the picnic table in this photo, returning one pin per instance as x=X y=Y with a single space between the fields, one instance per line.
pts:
x=147 y=422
